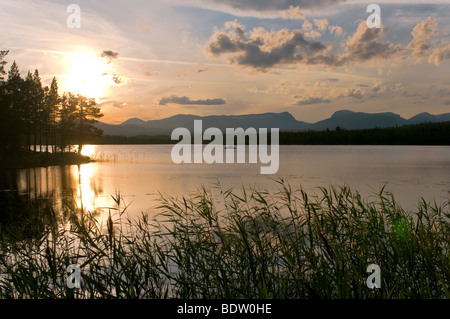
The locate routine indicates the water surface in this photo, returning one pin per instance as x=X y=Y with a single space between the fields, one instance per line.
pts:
x=140 y=172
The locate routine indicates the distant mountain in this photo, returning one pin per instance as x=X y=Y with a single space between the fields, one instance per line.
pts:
x=357 y=121
x=134 y=121
x=430 y=118
x=136 y=127
x=345 y=119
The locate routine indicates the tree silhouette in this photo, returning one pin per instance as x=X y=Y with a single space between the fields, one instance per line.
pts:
x=52 y=101
x=4 y=107
x=37 y=107
x=32 y=117
x=67 y=120
x=27 y=108
x=15 y=109
x=87 y=115
x=2 y=64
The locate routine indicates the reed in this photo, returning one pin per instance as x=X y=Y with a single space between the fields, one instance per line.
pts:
x=239 y=244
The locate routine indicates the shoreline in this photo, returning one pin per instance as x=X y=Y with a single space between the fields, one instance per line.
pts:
x=23 y=160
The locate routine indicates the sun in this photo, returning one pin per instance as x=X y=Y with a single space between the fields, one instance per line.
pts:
x=86 y=76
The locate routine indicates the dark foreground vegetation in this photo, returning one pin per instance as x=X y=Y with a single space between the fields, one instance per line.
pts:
x=246 y=244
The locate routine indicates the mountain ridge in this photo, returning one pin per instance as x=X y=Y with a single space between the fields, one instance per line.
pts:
x=285 y=121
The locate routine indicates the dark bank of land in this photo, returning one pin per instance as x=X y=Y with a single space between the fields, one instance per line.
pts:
x=27 y=159
x=419 y=134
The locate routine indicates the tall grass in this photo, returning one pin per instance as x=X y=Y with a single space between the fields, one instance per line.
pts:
x=241 y=244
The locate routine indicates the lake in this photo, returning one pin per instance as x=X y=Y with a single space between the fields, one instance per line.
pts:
x=140 y=172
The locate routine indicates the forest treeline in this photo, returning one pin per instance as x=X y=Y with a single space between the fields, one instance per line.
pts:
x=36 y=119
x=418 y=134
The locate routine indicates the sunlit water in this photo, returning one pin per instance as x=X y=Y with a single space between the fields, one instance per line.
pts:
x=140 y=172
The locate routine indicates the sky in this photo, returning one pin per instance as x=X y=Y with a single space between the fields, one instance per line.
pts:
x=154 y=59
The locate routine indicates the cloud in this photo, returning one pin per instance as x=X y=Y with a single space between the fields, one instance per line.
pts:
x=117 y=79
x=321 y=94
x=421 y=45
x=318 y=26
x=293 y=13
x=114 y=79
x=325 y=83
x=313 y=100
x=278 y=5
x=266 y=9
x=407 y=94
x=150 y=73
x=439 y=55
x=321 y=24
x=181 y=74
x=284 y=87
x=367 y=44
x=262 y=50
x=380 y=87
x=336 y=29
x=363 y=91
x=309 y=30
x=118 y=105
x=113 y=103
x=184 y=100
x=109 y=55
x=307 y=26
x=353 y=93
x=422 y=33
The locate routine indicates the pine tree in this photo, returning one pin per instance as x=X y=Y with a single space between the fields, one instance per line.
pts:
x=37 y=109
x=15 y=100
x=3 y=53
x=31 y=114
x=26 y=114
x=52 y=100
x=4 y=107
x=87 y=113
x=67 y=120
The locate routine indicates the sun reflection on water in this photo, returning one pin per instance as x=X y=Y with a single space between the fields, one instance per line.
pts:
x=85 y=194
x=89 y=196
x=88 y=150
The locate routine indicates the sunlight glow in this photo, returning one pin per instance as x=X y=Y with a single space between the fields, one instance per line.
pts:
x=87 y=76
x=88 y=150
